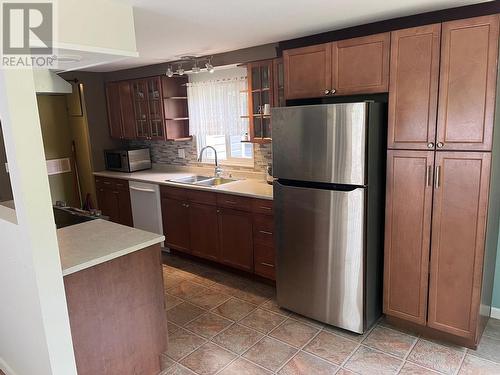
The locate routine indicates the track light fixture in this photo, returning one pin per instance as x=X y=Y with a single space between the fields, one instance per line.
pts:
x=209 y=66
x=195 y=69
x=170 y=72
x=180 y=70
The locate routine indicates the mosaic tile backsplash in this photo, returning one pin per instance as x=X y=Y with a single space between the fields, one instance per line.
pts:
x=167 y=153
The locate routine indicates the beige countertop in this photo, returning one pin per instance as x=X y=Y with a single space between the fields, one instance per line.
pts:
x=94 y=242
x=249 y=187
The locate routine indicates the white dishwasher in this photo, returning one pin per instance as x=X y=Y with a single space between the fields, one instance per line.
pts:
x=146 y=207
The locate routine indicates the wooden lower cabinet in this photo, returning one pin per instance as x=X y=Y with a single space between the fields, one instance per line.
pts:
x=203 y=231
x=407 y=233
x=113 y=199
x=175 y=216
x=236 y=238
x=450 y=231
x=229 y=229
x=458 y=239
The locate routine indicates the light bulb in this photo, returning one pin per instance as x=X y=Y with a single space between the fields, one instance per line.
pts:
x=180 y=70
x=196 y=69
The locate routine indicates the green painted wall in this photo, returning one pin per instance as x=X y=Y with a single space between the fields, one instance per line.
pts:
x=57 y=138
x=496 y=290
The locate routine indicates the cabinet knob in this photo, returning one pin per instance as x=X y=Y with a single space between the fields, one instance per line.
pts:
x=218 y=211
x=440 y=144
x=327 y=92
x=332 y=91
x=430 y=145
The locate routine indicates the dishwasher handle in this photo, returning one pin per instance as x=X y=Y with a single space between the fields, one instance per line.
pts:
x=141 y=189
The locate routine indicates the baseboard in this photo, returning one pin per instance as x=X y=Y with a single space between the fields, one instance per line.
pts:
x=5 y=368
x=495 y=312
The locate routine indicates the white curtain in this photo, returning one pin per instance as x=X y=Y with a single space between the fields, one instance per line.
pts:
x=216 y=107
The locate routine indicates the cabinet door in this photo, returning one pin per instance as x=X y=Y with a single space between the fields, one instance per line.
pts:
x=108 y=204
x=235 y=238
x=141 y=108
x=127 y=110
x=407 y=233
x=175 y=215
x=413 y=87
x=114 y=110
x=124 y=207
x=203 y=231
x=308 y=71
x=458 y=237
x=467 y=86
x=361 y=65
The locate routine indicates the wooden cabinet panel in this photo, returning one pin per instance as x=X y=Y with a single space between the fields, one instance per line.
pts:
x=235 y=238
x=308 y=71
x=175 y=215
x=262 y=206
x=203 y=231
x=413 y=88
x=124 y=207
x=407 y=234
x=234 y=201
x=458 y=235
x=264 y=262
x=467 y=86
x=114 y=110
x=361 y=65
x=127 y=110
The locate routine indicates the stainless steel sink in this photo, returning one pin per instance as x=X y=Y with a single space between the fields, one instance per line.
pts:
x=216 y=181
x=191 y=179
x=203 y=180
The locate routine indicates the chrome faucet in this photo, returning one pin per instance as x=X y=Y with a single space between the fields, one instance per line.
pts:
x=218 y=170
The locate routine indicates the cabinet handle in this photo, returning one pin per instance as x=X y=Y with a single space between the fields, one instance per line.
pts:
x=107 y=183
x=440 y=144
x=438 y=176
x=218 y=211
x=327 y=92
x=267 y=264
x=266 y=232
x=332 y=91
x=230 y=202
x=186 y=205
x=430 y=145
x=265 y=208
x=116 y=192
x=428 y=175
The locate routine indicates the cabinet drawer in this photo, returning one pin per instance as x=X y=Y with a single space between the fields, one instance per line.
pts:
x=111 y=183
x=264 y=264
x=121 y=185
x=234 y=201
x=203 y=197
x=263 y=230
x=262 y=206
x=172 y=192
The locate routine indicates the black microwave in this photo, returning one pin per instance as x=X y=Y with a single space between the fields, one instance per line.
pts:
x=127 y=160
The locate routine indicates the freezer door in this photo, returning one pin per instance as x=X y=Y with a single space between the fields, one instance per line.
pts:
x=320 y=253
x=320 y=143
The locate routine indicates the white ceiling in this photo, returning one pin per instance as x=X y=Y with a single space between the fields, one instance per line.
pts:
x=167 y=29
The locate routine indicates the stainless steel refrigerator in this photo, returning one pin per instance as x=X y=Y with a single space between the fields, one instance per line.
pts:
x=329 y=204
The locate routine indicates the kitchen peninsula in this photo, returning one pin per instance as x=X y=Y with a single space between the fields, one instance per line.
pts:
x=114 y=290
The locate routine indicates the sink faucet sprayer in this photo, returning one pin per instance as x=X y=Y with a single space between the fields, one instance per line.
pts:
x=217 y=170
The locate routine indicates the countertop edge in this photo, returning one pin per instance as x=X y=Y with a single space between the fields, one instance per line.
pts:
x=185 y=186
x=108 y=257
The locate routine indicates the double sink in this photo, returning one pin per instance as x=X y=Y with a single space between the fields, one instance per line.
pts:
x=203 y=180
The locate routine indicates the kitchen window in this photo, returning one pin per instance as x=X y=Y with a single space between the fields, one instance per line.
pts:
x=218 y=115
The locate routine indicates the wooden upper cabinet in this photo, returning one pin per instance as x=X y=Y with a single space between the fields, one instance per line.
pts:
x=308 y=71
x=413 y=88
x=407 y=234
x=458 y=236
x=127 y=110
x=114 y=110
x=361 y=65
x=469 y=52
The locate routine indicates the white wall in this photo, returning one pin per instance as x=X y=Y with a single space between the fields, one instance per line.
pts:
x=35 y=336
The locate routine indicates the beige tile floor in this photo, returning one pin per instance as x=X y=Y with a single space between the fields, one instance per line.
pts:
x=220 y=323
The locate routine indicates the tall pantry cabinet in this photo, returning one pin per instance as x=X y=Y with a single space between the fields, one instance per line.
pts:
x=442 y=94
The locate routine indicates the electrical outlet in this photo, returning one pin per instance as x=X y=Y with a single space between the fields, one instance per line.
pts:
x=181 y=153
